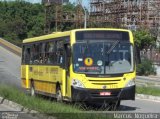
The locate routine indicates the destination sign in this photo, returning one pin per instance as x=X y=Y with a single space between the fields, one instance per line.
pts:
x=102 y=35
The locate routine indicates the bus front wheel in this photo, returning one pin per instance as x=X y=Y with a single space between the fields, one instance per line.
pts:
x=58 y=94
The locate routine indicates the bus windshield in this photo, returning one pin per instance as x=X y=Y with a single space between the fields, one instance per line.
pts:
x=108 y=57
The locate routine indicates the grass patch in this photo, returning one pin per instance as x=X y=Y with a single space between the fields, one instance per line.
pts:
x=148 y=90
x=35 y=103
x=61 y=110
x=51 y=108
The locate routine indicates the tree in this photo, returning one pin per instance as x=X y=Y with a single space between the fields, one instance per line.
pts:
x=143 y=40
x=20 y=20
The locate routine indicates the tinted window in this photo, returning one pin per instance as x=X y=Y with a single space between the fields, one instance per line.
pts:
x=47 y=52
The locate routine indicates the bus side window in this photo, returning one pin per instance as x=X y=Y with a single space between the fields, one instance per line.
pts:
x=35 y=54
x=60 y=53
x=52 y=51
x=42 y=53
x=45 y=57
x=49 y=51
x=26 y=54
x=60 y=57
x=27 y=58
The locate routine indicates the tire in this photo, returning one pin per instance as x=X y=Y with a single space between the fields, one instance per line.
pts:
x=59 y=95
x=32 y=89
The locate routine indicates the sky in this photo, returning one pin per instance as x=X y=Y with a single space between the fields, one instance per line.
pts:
x=85 y=2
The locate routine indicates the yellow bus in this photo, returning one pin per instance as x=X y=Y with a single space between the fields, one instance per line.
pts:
x=95 y=64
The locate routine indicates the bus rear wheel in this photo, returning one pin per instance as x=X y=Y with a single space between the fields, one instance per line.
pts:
x=59 y=94
x=32 y=89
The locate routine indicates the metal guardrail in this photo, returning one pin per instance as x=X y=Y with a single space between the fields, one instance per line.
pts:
x=148 y=81
x=11 y=47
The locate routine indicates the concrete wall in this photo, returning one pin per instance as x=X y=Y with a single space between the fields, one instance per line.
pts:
x=13 y=48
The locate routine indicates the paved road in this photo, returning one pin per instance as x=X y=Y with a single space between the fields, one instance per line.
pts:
x=140 y=105
x=9 y=68
x=10 y=74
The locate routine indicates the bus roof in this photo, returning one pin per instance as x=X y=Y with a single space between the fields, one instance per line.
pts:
x=66 y=33
x=90 y=29
x=45 y=37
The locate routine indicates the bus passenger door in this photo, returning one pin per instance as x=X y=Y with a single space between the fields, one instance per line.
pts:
x=67 y=53
x=64 y=62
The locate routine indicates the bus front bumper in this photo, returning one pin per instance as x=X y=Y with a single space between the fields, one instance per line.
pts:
x=87 y=95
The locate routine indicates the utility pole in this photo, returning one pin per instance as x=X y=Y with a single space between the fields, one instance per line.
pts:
x=85 y=13
x=85 y=17
x=56 y=19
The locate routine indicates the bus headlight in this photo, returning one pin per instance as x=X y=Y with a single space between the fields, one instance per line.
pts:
x=130 y=83
x=77 y=83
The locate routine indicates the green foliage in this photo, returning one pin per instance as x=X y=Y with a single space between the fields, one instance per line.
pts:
x=20 y=20
x=146 y=68
x=48 y=107
x=143 y=39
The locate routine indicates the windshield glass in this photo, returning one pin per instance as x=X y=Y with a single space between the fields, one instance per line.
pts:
x=103 y=57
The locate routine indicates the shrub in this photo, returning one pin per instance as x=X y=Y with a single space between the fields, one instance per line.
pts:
x=146 y=68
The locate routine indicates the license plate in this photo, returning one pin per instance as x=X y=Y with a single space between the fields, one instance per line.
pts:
x=105 y=93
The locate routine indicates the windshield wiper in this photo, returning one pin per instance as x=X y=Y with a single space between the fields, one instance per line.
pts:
x=113 y=46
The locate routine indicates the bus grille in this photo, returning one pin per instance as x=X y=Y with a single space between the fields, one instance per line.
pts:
x=105 y=82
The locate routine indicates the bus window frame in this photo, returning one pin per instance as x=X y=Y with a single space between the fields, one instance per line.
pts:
x=55 y=40
x=23 y=60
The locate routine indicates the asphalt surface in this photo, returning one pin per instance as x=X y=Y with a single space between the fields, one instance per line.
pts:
x=10 y=75
x=140 y=106
x=9 y=68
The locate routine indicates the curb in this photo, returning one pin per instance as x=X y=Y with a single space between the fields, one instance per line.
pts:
x=148 y=97
x=24 y=109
